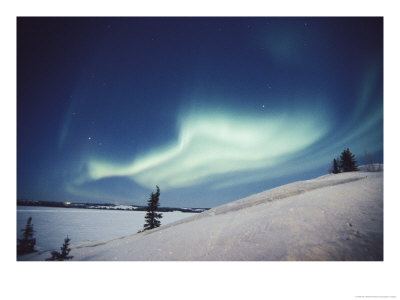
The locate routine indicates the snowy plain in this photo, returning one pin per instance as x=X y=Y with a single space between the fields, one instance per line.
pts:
x=333 y=217
x=53 y=224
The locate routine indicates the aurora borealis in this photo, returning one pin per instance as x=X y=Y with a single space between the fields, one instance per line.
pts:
x=209 y=109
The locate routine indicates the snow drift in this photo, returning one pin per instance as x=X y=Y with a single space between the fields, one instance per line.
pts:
x=333 y=217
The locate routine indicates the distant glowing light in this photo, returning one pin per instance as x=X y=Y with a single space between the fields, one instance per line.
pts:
x=212 y=145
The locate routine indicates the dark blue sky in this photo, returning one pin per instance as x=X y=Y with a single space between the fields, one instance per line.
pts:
x=209 y=109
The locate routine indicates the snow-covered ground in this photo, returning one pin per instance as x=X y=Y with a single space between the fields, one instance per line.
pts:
x=332 y=217
x=53 y=224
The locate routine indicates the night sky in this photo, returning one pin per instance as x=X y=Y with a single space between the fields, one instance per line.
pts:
x=209 y=109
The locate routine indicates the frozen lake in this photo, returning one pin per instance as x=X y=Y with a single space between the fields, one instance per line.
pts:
x=53 y=224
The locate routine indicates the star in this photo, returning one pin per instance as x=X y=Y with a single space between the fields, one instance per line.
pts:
x=89 y=138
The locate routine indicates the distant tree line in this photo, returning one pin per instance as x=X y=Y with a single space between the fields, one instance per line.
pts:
x=345 y=163
x=106 y=206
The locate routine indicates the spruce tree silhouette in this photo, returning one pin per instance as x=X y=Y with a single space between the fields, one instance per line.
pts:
x=55 y=255
x=27 y=243
x=152 y=217
x=347 y=161
x=336 y=169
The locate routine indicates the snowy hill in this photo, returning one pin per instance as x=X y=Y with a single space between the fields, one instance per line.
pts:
x=332 y=217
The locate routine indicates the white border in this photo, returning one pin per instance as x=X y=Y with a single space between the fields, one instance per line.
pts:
x=221 y=280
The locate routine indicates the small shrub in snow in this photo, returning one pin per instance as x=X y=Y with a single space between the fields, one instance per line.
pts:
x=55 y=255
x=368 y=160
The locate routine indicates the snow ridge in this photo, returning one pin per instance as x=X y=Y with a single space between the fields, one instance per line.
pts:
x=278 y=193
x=332 y=217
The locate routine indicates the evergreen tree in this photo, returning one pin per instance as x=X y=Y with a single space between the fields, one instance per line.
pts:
x=55 y=255
x=152 y=217
x=336 y=169
x=347 y=161
x=27 y=243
